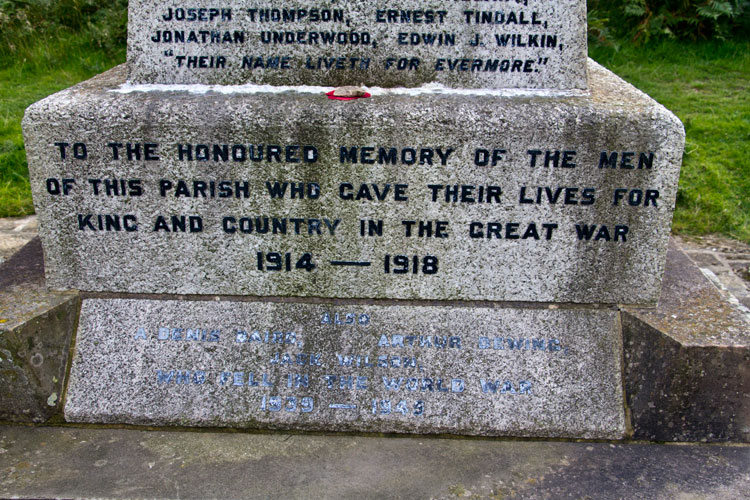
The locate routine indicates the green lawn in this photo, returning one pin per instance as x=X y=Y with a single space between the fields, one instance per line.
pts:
x=706 y=84
x=51 y=64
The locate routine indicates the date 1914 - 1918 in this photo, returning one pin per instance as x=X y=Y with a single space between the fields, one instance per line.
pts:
x=392 y=264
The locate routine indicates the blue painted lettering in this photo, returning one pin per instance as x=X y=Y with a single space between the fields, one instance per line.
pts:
x=240 y=379
x=268 y=337
x=437 y=341
x=505 y=387
x=197 y=334
x=346 y=382
x=301 y=359
x=197 y=377
x=361 y=319
x=520 y=344
x=383 y=361
x=455 y=385
x=289 y=403
x=296 y=380
x=386 y=407
x=164 y=377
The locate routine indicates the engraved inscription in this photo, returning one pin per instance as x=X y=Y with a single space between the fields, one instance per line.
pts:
x=313 y=224
x=524 y=43
x=371 y=368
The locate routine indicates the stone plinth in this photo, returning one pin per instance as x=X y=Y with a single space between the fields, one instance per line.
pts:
x=686 y=368
x=36 y=328
x=444 y=197
x=529 y=44
x=461 y=370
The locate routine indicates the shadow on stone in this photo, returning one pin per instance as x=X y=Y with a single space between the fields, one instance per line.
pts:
x=25 y=267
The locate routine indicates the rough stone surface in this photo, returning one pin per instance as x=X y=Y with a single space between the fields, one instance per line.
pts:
x=133 y=464
x=460 y=370
x=545 y=43
x=615 y=119
x=15 y=232
x=687 y=362
x=35 y=332
x=24 y=269
x=728 y=260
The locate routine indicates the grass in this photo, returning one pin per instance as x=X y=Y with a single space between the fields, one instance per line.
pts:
x=46 y=46
x=18 y=89
x=706 y=84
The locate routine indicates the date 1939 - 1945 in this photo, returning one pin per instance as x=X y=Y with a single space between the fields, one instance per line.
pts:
x=293 y=404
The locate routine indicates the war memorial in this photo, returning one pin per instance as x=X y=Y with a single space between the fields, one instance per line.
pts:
x=432 y=219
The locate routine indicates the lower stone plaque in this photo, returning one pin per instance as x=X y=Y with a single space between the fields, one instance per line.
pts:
x=394 y=368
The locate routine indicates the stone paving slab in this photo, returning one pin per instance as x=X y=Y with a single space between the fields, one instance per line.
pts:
x=726 y=261
x=39 y=462
x=15 y=232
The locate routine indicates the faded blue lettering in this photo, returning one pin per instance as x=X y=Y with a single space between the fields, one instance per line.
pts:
x=505 y=387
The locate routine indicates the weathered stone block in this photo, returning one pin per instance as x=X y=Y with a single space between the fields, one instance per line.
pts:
x=530 y=44
x=687 y=362
x=452 y=196
x=35 y=333
x=398 y=368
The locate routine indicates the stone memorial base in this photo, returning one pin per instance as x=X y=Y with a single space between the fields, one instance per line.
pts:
x=461 y=262
x=544 y=197
x=470 y=370
x=682 y=379
x=475 y=245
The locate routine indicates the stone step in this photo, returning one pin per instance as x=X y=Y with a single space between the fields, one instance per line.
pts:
x=87 y=463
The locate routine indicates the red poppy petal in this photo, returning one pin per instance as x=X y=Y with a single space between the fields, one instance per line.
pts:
x=340 y=98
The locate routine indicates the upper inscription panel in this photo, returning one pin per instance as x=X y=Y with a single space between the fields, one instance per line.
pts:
x=446 y=197
x=539 y=44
